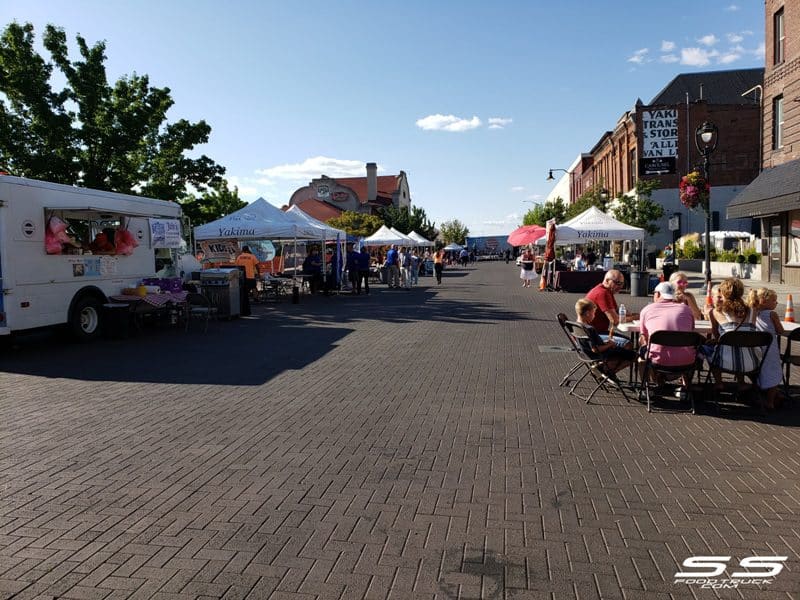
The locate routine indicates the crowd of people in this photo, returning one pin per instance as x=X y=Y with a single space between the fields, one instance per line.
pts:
x=674 y=308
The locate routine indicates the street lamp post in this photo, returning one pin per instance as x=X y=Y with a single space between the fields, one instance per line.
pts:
x=705 y=138
x=550 y=173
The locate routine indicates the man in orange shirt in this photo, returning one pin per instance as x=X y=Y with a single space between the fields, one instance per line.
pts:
x=250 y=264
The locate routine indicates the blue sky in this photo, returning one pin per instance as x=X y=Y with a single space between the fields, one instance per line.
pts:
x=474 y=100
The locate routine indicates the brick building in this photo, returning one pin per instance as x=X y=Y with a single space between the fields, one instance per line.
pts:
x=657 y=141
x=327 y=197
x=774 y=197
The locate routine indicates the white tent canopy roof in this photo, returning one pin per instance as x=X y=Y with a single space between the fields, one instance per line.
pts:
x=406 y=239
x=454 y=246
x=330 y=233
x=384 y=237
x=732 y=234
x=594 y=225
x=421 y=241
x=259 y=220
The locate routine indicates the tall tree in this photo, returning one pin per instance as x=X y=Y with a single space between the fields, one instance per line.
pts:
x=638 y=209
x=356 y=224
x=541 y=213
x=454 y=232
x=111 y=137
x=406 y=220
x=217 y=201
x=594 y=196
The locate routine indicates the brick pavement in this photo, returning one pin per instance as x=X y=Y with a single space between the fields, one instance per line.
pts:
x=405 y=445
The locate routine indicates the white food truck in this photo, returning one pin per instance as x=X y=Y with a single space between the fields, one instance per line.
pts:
x=58 y=261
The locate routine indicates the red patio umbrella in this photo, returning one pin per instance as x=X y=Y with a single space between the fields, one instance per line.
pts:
x=527 y=234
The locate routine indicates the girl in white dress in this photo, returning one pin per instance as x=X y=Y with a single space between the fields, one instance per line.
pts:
x=763 y=302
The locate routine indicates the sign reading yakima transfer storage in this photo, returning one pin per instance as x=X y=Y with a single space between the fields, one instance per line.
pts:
x=659 y=142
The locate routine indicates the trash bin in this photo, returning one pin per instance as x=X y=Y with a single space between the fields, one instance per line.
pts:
x=639 y=282
x=669 y=269
x=116 y=320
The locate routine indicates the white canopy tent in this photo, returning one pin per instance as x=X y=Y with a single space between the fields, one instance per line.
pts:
x=329 y=233
x=408 y=241
x=420 y=241
x=453 y=247
x=259 y=220
x=593 y=225
x=384 y=237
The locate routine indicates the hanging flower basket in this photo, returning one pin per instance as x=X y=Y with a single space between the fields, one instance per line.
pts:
x=694 y=190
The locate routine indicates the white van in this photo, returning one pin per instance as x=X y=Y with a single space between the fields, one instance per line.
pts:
x=58 y=263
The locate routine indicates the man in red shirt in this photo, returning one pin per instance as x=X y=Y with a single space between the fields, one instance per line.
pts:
x=603 y=296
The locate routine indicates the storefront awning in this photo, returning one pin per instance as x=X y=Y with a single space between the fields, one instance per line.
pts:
x=774 y=190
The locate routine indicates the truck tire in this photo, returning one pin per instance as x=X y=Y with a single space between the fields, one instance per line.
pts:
x=84 y=321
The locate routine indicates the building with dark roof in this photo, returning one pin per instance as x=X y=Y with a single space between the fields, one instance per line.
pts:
x=774 y=197
x=328 y=197
x=657 y=141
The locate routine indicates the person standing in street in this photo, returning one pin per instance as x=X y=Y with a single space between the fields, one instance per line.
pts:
x=438 y=265
x=363 y=269
x=527 y=273
x=250 y=263
x=392 y=264
x=351 y=265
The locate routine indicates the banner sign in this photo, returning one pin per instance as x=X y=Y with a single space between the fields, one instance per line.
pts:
x=165 y=233
x=219 y=250
x=659 y=142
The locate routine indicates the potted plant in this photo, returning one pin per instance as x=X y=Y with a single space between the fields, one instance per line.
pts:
x=740 y=260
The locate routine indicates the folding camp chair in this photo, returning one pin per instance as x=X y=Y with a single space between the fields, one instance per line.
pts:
x=595 y=364
x=199 y=307
x=562 y=319
x=676 y=340
x=788 y=359
x=744 y=340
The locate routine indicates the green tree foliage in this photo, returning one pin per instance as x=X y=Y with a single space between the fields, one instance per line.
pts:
x=594 y=196
x=356 y=223
x=406 y=221
x=638 y=209
x=454 y=231
x=91 y=133
x=541 y=213
x=217 y=201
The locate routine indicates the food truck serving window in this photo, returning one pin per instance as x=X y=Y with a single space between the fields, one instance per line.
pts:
x=87 y=232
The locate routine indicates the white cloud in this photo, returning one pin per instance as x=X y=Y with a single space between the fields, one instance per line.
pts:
x=732 y=8
x=639 y=57
x=667 y=46
x=312 y=168
x=708 y=40
x=244 y=185
x=695 y=57
x=669 y=58
x=518 y=188
x=760 y=52
x=498 y=227
x=439 y=122
x=729 y=57
x=499 y=122
x=535 y=197
x=735 y=38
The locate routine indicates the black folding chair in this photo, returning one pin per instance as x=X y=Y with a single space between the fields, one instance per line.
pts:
x=757 y=341
x=671 y=340
x=199 y=307
x=788 y=359
x=596 y=365
x=562 y=320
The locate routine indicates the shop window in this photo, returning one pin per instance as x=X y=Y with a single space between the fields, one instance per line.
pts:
x=78 y=232
x=779 y=37
x=777 y=123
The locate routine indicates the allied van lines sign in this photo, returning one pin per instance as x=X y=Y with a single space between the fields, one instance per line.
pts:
x=659 y=142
